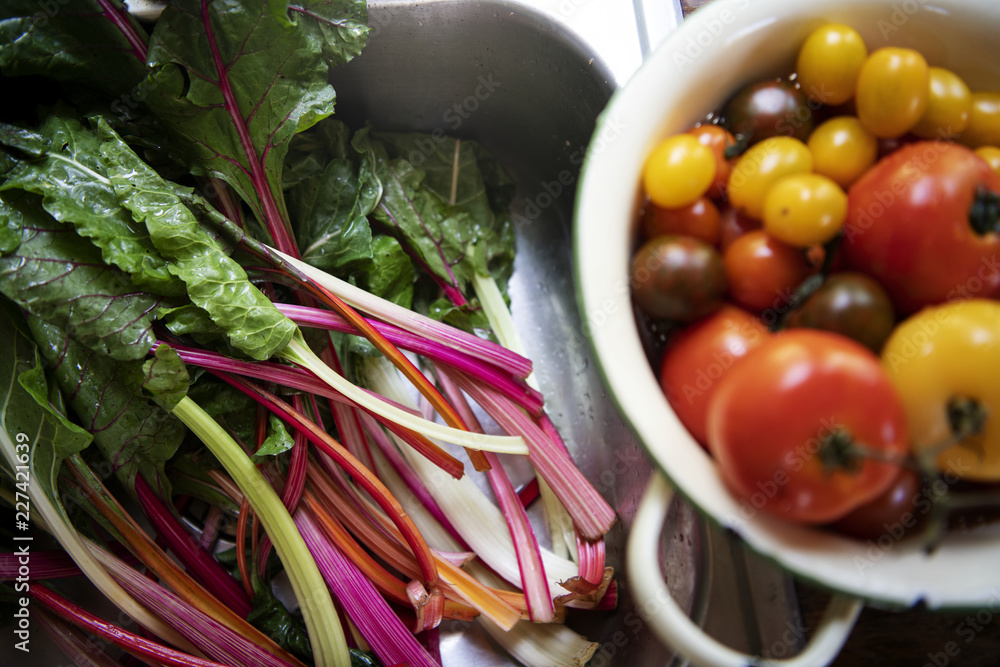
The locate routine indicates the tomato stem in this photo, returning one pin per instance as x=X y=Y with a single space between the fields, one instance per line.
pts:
x=966 y=417
x=984 y=212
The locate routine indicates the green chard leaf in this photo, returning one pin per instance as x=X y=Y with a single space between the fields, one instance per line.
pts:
x=27 y=415
x=341 y=26
x=215 y=282
x=60 y=278
x=91 y=42
x=445 y=207
x=330 y=207
x=133 y=433
x=166 y=377
x=65 y=167
x=278 y=441
x=234 y=82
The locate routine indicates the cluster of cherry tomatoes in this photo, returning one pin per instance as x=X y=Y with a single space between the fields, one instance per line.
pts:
x=827 y=248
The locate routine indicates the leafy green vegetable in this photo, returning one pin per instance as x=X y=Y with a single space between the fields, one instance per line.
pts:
x=133 y=433
x=235 y=82
x=330 y=205
x=278 y=441
x=166 y=377
x=271 y=617
x=26 y=414
x=90 y=42
x=60 y=278
x=64 y=166
x=214 y=281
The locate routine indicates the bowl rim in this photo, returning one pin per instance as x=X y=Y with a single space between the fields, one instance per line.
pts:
x=964 y=572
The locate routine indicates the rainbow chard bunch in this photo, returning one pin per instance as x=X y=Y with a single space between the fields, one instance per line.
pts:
x=218 y=296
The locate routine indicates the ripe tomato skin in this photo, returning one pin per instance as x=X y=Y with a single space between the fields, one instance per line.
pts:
x=992 y=156
x=941 y=353
x=828 y=63
x=677 y=278
x=892 y=91
x=908 y=226
x=949 y=105
x=700 y=355
x=762 y=271
x=772 y=411
x=678 y=171
x=842 y=149
x=805 y=209
x=700 y=220
x=850 y=304
x=768 y=109
x=899 y=511
x=718 y=139
x=735 y=225
x=984 y=120
x=760 y=167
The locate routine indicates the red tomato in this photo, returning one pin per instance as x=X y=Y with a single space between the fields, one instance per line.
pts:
x=923 y=223
x=700 y=220
x=763 y=272
x=700 y=355
x=718 y=139
x=778 y=416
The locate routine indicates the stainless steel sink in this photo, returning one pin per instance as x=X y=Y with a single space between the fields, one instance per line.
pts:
x=528 y=81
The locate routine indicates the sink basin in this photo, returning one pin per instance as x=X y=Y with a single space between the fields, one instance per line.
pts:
x=527 y=83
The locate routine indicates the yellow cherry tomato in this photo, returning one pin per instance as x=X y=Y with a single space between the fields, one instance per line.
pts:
x=984 y=121
x=842 y=149
x=949 y=104
x=678 y=171
x=892 y=92
x=937 y=361
x=760 y=167
x=992 y=156
x=805 y=209
x=829 y=62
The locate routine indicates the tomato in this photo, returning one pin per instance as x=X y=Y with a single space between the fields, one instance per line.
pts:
x=678 y=278
x=760 y=167
x=763 y=272
x=678 y=171
x=949 y=104
x=781 y=423
x=892 y=91
x=851 y=304
x=899 y=511
x=734 y=225
x=718 y=139
x=700 y=220
x=842 y=149
x=700 y=355
x=984 y=121
x=911 y=225
x=829 y=62
x=992 y=156
x=768 y=109
x=804 y=209
x=942 y=362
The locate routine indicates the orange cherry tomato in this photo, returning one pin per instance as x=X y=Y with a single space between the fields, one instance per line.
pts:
x=718 y=139
x=700 y=220
x=763 y=272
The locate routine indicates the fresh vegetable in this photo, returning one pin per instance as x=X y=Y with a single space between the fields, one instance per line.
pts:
x=763 y=272
x=936 y=360
x=785 y=426
x=679 y=171
x=678 y=277
x=170 y=220
x=768 y=109
x=926 y=201
x=892 y=91
x=949 y=105
x=804 y=209
x=761 y=167
x=699 y=356
x=842 y=149
x=850 y=304
x=828 y=63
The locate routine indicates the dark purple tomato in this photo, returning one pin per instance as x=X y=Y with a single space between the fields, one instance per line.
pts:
x=677 y=278
x=768 y=109
x=897 y=512
x=850 y=304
